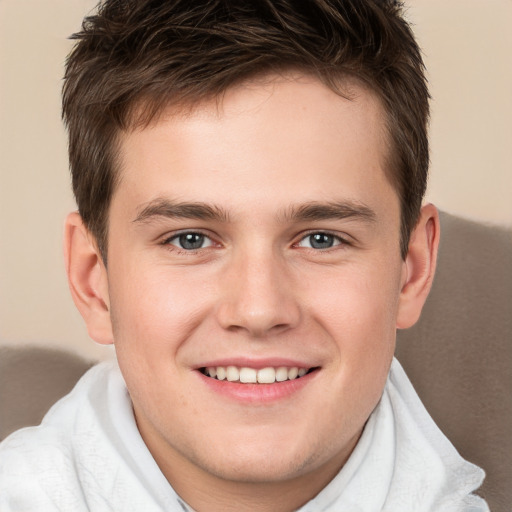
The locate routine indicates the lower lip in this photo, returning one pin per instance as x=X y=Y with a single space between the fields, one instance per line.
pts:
x=257 y=393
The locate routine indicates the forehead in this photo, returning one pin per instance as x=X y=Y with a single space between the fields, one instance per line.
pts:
x=287 y=132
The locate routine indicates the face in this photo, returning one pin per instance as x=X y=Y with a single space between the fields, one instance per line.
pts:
x=256 y=240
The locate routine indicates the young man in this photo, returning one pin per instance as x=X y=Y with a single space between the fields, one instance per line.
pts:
x=250 y=235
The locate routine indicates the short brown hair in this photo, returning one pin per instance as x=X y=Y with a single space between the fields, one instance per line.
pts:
x=151 y=53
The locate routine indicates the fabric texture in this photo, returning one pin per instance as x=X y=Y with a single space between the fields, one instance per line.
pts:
x=88 y=455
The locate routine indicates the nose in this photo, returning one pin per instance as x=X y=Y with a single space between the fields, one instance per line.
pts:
x=258 y=296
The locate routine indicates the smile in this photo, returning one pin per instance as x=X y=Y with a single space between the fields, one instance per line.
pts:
x=246 y=375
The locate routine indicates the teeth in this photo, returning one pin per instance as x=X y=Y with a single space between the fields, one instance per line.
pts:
x=266 y=376
x=293 y=373
x=247 y=375
x=281 y=374
x=232 y=373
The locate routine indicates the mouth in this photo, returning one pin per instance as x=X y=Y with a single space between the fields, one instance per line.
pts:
x=247 y=375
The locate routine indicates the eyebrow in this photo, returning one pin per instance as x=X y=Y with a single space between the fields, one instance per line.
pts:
x=341 y=210
x=311 y=211
x=181 y=210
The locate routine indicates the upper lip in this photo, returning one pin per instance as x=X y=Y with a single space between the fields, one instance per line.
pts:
x=257 y=364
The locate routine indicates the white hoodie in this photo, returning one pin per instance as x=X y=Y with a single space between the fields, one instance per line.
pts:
x=87 y=455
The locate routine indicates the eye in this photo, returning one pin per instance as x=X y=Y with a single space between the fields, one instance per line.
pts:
x=320 y=241
x=190 y=241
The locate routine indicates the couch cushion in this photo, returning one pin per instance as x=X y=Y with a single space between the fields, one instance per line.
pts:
x=459 y=355
x=32 y=379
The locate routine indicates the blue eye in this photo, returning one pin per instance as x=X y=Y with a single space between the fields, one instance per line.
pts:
x=320 y=241
x=190 y=241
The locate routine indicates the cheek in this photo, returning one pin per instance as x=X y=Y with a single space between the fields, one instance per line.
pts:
x=155 y=310
x=152 y=318
x=358 y=310
x=357 y=300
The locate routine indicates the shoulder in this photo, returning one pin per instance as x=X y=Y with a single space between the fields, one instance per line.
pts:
x=38 y=465
x=32 y=463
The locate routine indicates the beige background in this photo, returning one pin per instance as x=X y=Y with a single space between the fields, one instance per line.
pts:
x=467 y=46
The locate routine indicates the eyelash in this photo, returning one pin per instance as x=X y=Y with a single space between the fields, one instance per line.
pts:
x=167 y=242
x=339 y=241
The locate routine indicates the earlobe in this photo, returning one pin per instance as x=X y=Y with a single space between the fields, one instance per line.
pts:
x=87 y=278
x=420 y=265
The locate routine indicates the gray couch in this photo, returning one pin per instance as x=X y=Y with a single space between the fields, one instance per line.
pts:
x=458 y=356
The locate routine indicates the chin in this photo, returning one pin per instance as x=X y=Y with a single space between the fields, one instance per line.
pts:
x=262 y=469
x=267 y=460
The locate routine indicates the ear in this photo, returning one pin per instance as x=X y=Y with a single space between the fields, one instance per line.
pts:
x=419 y=267
x=87 y=278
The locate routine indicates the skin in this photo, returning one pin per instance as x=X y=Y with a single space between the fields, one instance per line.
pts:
x=257 y=291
